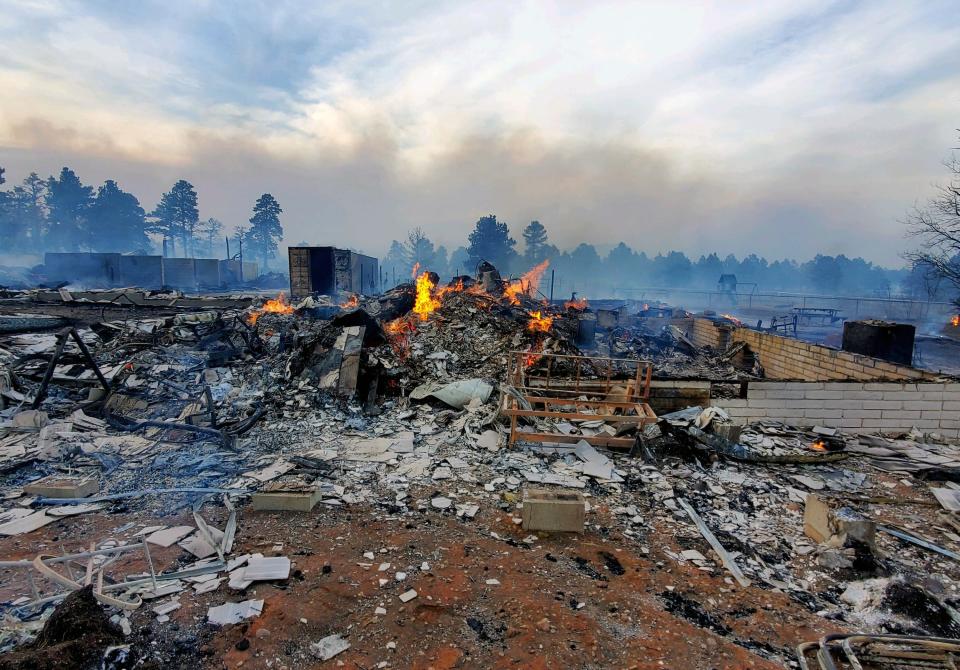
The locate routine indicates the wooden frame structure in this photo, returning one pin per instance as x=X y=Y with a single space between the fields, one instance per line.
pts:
x=613 y=400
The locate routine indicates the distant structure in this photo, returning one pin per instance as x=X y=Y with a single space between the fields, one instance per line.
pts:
x=332 y=271
x=727 y=284
x=97 y=270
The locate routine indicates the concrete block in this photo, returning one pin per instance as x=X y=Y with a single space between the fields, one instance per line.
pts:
x=901 y=414
x=782 y=395
x=767 y=386
x=804 y=386
x=862 y=413
x=58 y=486
x=824 y=395
x=882 y=404
x=822 y=413
x=900 y=395
x=883 y=386
x=280 y=497
x=554 y=511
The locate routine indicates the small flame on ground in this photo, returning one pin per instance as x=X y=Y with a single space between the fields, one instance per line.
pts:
x=955 y=321
x=539 y=323
x=527 y=283
x=425 y=303
x=278 y=305
x=353 y=301
x=579 y=303
x=819 y=445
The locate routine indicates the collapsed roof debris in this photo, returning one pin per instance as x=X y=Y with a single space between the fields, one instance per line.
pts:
x=325 y=477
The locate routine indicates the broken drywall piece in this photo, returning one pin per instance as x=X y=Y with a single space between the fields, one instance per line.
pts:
x=266 y=568
x=169 y=536
x=328 y=647
x=230 y=613
x=26 y=524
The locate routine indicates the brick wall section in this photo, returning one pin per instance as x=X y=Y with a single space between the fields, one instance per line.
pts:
x=703 y=333
x=852 y=406
x=788 y=358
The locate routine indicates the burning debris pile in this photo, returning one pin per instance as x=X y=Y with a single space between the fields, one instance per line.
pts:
x=323 y=467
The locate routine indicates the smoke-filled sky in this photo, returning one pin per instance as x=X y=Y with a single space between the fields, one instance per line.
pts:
x=781 y=128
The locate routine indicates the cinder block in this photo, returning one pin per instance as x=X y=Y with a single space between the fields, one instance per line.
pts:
x=861 y=413
x=883 y=386
x=900 y=395
x=822 y=413
x=554 y=511
x=901 y=414
x=785 y=395
x=882 y=404
x=824 y=395
x=58 y=486
x=301 y=500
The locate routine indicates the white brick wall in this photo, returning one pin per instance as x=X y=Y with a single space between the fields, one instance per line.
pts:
x=853 y=406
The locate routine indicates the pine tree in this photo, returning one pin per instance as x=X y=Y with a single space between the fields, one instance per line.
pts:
x=68 y=201
x=116 y=221
x=265 y=229
x=490 y=241
x=535 y=241
x=176 y=216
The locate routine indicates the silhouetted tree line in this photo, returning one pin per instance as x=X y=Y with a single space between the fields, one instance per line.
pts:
x=588 y=271
x=62 y=214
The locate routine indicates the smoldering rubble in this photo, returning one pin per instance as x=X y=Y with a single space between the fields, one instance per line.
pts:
x=443 y=475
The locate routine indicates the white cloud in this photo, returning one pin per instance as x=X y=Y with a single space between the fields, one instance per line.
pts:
x=736 y=119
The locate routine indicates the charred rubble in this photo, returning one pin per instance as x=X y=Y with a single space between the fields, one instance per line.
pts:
x=204 y=425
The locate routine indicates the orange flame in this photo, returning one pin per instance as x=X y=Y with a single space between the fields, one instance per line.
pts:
x=732 y=318
x=955 y=321
x=456 y=288
x=398 y=333
x=416 y=269
x=353 y=301
x=278 y=305
x=425 y=303
x=579 y=303
x=539 y=323
x=819 y=445
x=527 y=283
